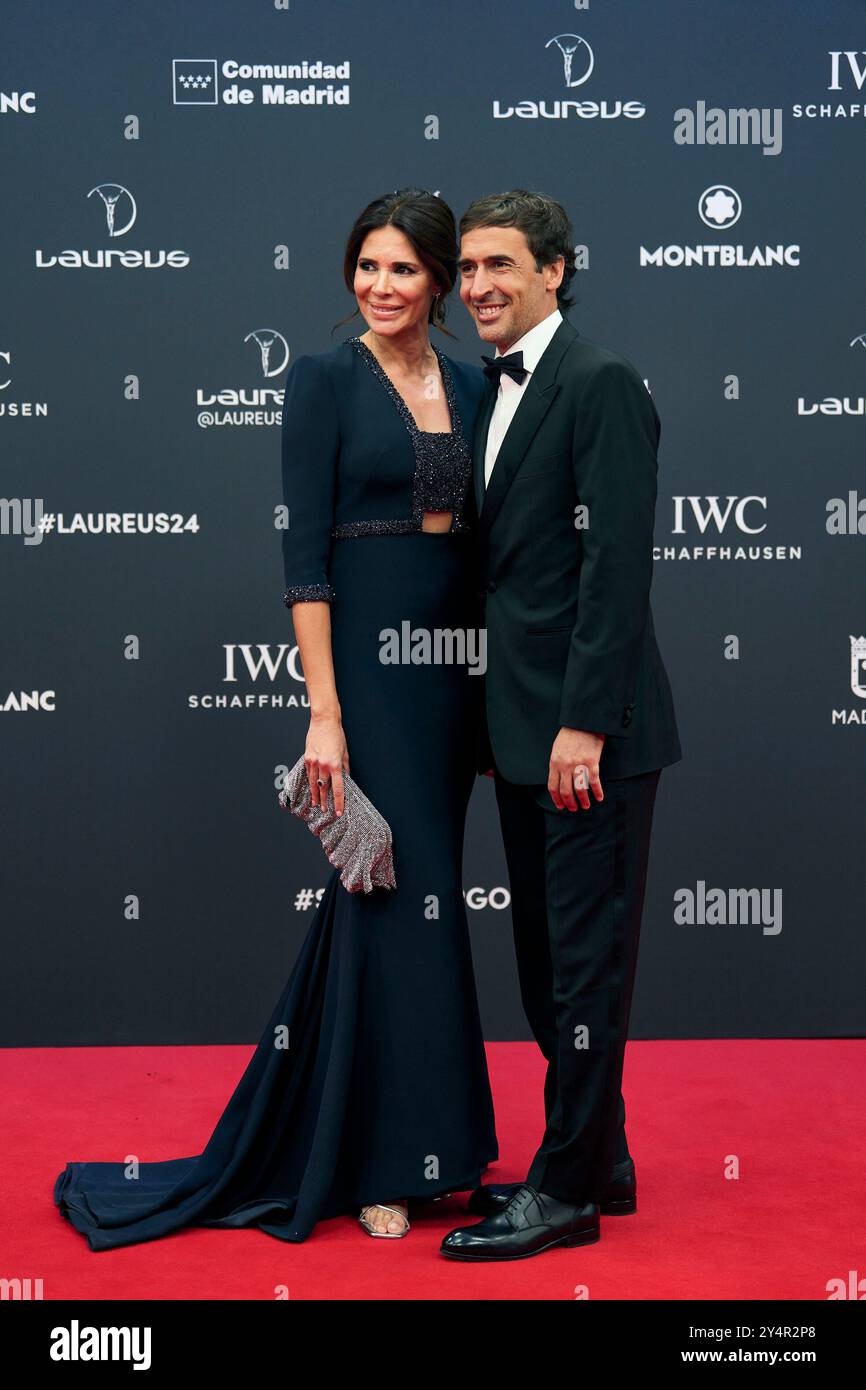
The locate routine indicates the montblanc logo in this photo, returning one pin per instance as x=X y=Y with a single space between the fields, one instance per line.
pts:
x=251 y=665
x=846 y=70
x=195 y=82
x=576 y=64
x=859 y=341
x=28 y=702
x=740 y=125
x=23 y=103
x=708 y=514
x=857 y=671
x=720 y=208
x=253 y=405
x=120 y=212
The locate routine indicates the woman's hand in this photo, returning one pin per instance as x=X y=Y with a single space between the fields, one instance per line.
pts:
x=326 y=756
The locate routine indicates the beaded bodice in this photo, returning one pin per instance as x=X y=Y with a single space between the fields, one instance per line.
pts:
x=443 y=463
x=440 y=480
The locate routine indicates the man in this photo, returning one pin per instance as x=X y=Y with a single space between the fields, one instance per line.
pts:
x=578 y=718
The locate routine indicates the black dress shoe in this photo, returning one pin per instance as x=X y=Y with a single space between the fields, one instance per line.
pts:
x=528 y=1223
x=619 y=1198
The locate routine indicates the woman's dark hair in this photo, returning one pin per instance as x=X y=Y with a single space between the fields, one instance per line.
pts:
x=428 y=223
x=542 y=220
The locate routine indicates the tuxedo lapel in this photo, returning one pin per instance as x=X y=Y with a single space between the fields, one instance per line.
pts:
x=538 y=394
x=482 y=428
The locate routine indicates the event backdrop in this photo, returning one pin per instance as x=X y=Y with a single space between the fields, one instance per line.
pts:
x=178 y=185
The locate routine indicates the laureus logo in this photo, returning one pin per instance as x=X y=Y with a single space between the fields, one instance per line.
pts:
x=265 y=339
x=577 y=64
x=120 y=212
x=241 y=405
x=113 y=195
x=572 y=46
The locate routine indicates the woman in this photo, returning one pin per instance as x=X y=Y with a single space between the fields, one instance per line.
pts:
x=382 y=1095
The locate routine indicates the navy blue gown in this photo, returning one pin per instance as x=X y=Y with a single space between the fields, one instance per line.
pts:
x=382 y=1092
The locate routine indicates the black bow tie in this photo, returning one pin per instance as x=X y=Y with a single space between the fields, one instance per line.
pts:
x=511 y=364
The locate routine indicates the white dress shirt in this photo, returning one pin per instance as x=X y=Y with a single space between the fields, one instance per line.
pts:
x=532 y=345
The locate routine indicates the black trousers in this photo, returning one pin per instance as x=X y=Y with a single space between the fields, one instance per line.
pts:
x=577 y=882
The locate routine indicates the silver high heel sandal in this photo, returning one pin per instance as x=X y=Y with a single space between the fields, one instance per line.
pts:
x=389 y=1235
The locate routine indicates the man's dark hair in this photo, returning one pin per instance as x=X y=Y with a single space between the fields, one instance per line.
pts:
x=542 y=220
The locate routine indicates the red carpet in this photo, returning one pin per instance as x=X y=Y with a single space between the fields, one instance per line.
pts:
x=791 y=1112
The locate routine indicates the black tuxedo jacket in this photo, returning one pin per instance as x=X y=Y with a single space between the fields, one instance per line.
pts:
x=570 y=639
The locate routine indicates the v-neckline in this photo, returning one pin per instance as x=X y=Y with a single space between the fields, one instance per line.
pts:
x=398 y=399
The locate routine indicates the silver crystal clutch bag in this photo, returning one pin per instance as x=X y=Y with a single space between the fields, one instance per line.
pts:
x=358 y=843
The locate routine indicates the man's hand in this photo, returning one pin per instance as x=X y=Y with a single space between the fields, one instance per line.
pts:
x=575 y=750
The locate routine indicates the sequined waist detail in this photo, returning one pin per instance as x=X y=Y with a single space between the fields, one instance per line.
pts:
x=391 y=528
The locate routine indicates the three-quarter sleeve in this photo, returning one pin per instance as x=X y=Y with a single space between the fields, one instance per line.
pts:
x=310 y=446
